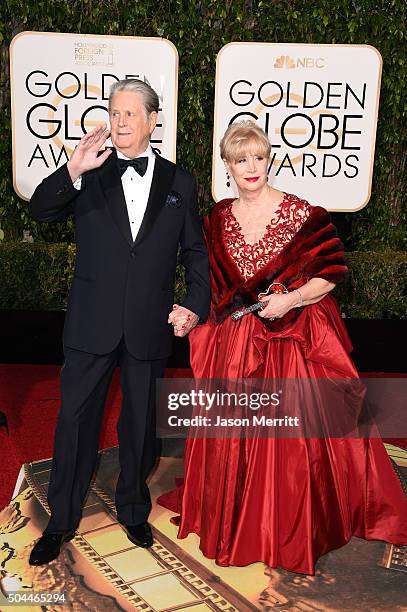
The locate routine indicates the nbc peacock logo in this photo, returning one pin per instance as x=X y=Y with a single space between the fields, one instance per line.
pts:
x=284 y=61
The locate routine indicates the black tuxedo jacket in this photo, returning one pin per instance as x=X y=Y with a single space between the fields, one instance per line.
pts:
x=121 y=287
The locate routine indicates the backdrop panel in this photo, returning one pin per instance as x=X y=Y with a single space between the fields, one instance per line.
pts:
x=60 y=87
x=318 y=105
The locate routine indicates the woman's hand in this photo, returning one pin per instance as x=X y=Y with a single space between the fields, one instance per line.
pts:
x=182 y=319
x=278 y=304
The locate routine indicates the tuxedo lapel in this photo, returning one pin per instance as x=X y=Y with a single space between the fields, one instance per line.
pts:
x=160 y=186
x=112 y=190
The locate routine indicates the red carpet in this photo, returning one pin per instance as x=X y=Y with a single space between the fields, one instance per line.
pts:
x=30 y=396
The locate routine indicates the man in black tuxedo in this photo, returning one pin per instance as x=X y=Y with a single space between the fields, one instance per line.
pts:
x=132 y=210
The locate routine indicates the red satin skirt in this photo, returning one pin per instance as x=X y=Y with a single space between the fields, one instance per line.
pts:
x=284 y=502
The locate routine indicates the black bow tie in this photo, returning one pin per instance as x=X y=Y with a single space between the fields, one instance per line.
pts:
x=139 y=164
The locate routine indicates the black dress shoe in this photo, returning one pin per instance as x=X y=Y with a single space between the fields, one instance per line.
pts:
x=48 y=547
x=140 y=534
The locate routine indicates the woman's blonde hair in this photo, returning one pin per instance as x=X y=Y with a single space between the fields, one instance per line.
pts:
x=240 y=136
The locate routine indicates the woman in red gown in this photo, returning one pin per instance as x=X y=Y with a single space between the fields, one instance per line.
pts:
x=284 y=502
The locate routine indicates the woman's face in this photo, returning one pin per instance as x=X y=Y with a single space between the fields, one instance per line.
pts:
x=249 y=171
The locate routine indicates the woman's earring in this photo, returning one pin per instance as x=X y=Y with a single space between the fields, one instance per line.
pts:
x=227 y=179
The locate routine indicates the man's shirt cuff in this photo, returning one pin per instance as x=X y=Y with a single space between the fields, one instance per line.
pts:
x=78 y=183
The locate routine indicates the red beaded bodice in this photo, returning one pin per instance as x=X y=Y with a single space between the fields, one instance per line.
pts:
x=250 y=258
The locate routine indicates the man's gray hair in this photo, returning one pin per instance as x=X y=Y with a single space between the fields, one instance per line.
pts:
x=151 y=102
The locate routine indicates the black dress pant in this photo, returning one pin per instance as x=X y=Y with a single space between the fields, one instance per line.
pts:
x=85 y=380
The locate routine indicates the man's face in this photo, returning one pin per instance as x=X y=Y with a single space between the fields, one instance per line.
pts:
x=130 y=128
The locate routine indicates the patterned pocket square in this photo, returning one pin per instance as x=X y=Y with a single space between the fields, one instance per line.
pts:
x=174 y=200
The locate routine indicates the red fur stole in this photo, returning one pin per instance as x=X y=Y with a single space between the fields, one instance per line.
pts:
x=315 y=251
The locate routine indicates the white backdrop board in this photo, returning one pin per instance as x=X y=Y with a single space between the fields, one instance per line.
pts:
x=318 y=105
x=60 y=86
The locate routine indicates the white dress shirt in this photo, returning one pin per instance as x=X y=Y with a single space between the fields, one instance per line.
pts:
x=136 y=189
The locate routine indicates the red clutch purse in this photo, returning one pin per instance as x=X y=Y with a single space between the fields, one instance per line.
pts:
x=273 y=288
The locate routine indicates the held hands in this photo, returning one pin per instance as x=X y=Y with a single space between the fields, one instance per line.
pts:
x=278 y=304
x=85 y=156
x=183 y=320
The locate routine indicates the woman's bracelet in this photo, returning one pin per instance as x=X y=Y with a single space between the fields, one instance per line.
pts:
x=301 y=303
